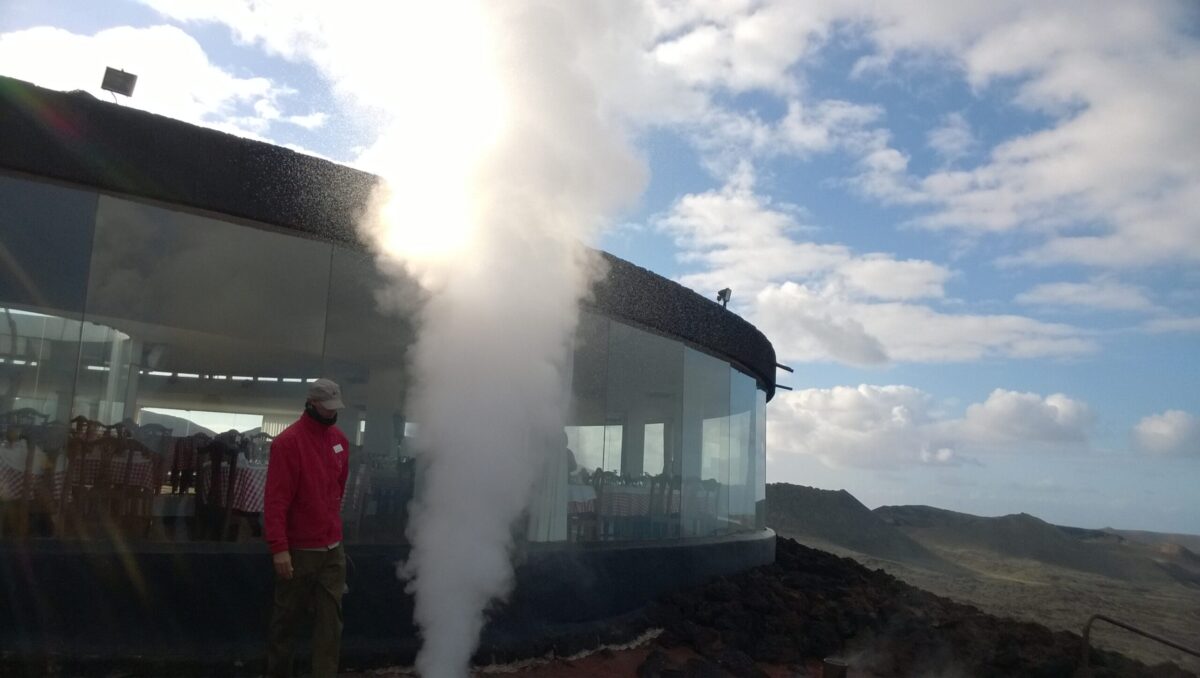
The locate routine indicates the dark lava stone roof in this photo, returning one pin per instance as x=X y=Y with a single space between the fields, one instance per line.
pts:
x=76 y=138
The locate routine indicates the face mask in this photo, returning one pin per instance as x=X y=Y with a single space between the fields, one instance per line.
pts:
x=312 y=412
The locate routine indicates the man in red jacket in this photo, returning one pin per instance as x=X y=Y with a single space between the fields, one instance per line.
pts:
x=306 y=478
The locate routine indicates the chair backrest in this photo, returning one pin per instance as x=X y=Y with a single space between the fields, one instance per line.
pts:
x=664 y=494
x=89 y=464
x=220 y=454
x=136 y=454
x=155 y=436
x=260 y=447
x=186 y=460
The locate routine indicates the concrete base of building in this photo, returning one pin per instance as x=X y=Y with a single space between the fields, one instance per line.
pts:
x=202 y=609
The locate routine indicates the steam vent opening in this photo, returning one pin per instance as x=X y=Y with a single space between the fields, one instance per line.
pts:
x=168 y=294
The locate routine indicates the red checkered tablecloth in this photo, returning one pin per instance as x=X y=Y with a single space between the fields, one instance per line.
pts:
x=141 y=472
x=580 y=499
x=13 y=457
x=249 y=486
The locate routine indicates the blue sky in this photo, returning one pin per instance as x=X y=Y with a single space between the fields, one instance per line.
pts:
x=972 y=231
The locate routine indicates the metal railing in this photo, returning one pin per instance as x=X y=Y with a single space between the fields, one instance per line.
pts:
x=1085 y=650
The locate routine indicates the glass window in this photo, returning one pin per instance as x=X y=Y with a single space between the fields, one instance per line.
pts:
x=367 y=336
x=742 y=452
x=645 y=385
x=760 y=456
x=706 y=444
x=192 y=314
x=45 y=241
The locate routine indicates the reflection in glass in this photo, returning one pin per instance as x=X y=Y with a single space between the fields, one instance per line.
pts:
x=742 y=453
x=198 y=340
x=706 y=444
x=760 y=456
x=194 y=313
x=45 y=240
x=367 y=336
x=640 y=499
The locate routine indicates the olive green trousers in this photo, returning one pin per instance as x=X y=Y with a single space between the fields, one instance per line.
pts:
x=316 y=586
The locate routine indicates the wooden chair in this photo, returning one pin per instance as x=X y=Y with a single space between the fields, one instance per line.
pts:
x=605 y=524
x=259 y=447
x=22 y=427
x=664 y=506
x=89 y=497
x=214 y=508
x=133 y=496
x=174 y=514
x=584 y=525
x=40 y=500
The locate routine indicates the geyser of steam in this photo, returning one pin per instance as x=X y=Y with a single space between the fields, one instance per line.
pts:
x=499 y=162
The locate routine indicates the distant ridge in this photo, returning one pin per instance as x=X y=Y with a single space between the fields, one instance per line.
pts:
x=1189 y=541
x=1030 y=538
x=835 y=517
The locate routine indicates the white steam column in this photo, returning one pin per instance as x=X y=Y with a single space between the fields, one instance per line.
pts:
x=500 y=162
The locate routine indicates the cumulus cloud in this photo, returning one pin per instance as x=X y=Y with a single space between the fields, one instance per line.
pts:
x=953 y=139
x=786 y=311
x=740 y=46
x=1012 y=418
x=879 y=276
x=1172 y=433
x=742 y=240
x=896 y=425
x=175 y=76
x=1112 y=180
x=1108 y=295
x=1119 y=159
x=822 y=301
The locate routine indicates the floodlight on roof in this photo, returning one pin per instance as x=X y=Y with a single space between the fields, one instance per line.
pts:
x=118 y=81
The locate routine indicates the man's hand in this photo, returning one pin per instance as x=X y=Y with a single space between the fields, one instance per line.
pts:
x=283 y=564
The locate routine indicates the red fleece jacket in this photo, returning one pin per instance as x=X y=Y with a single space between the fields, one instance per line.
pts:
x=306 y=478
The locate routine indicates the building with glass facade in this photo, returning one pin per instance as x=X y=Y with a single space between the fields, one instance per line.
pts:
x=167 y=291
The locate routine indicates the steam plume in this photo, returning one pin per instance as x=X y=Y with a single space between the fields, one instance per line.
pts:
x=498 y=166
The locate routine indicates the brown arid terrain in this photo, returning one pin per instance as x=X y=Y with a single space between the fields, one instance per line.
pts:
x=783 y=619
x=1016 y=566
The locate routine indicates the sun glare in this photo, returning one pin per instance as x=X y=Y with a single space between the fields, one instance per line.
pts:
x=447 y=113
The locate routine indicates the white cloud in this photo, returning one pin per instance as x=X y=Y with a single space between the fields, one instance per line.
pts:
x=881 y=277
x=1163 y=325
x=742 y=46
x=896 y=425
x=1107 y=295
x=953 y=139
x=823 y=302
x=1119 y=159
x=787 y=311
x=742 y=240
x=1013 y=418
x=1172 y=433
x=1112 y=181
x=310 y=122
x=175 y=76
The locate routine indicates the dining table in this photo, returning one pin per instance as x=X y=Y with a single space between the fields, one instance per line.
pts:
x=249 y=485
x=14 y=456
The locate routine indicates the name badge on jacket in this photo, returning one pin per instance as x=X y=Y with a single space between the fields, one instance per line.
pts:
x=337 y=448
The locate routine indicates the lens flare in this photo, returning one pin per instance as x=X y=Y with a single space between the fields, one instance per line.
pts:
x=443 y=115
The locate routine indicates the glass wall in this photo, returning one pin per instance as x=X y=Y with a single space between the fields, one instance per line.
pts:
x=706 y=434
x=148 y=357
x=366 y=335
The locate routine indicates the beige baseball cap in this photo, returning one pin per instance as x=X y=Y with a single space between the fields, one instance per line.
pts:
x=326 y=393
